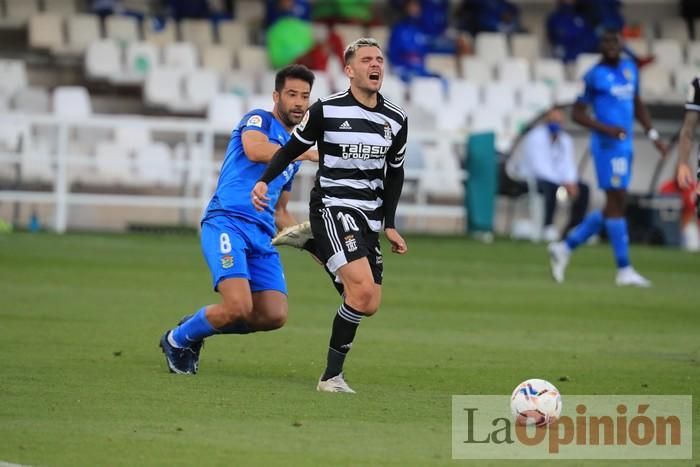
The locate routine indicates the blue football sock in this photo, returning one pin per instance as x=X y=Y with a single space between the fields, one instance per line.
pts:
x=193 y=330
x=619 y=240
x=590 y=226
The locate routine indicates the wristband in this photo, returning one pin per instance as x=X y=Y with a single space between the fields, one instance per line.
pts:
x=652 y=134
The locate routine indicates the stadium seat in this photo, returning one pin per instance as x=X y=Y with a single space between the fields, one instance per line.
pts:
x=520 y=118
x=477 y=70
x=103 y=60
x=487 y=119
x=500 y=97
x=250 y=11
x=639 y=46
x=667 y=52
x=693 y=53
x=217 y=58
x=240 y=83
x=13 y=76
x=428 y=93
x=443 y=64
x=132 y=135
x=585 y=62
x=233 y=34
x=491 y=46
x=567 y=92
x=200 y=87
x=655 y=82
x=141 y=58
x=535 y=97
x=394 y=89
x=198 y=32
x=224 y=111
x=82 y=31
x=162 y=87
x=260 y=101
x=32 y=100
x=114 y=164
x=46 y=31
x=526 y=46
x=549 y=70
x=682 y=79
x=60 y=7
x=349 y=32
x=180 y=55
x=253 y=58
x=159 y=36
x=513 y=70
x=381 y=34
x=674 y=28
x=322 y=86
x=123 y=29
x=71 y=102
x=452 y=116
x=154 y=165
x=442 y=174
x=18 y=12
x=464 y=94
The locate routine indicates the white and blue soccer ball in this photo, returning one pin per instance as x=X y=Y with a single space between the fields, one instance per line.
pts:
x=535 y=402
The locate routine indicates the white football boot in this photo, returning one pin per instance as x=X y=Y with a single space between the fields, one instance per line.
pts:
x=334 y=384
x=559 y=255
x=629 y=276
x=295 y=235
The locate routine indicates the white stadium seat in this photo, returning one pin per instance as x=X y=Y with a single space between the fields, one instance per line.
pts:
x=32 y=100
x=428 y=93
x=154 y=165
x=253 y=58
x=13 y=76
x=224 y=111
x=682 y=79
x=217 y=58
x=535 y=97
x=477 y=70
x=487 y=119
x=443 y=64
x=667 y=52
x=260 y=101
x=160 y=36
x=83 y=30
x=200 y=88
x=463 y=93
x=501 y=97
x=141 y=58
x=113 y=164
x=655 y=81
x=233 y=34
x=132 y=135
x=71 y=102
x=103 y=60
x=322 y=86
x=180 y=55
x=639 y=46
x=491 y=46
x=250 y=11
x=549 y=70
x=567 y=92
x=584 y=62
x=123 y=29
x=513 y=70
x=46 y=31
x=240 y=83
x=452 y=116
x=674 y=28
x=381 y=34
x=197 y=31
x=18 y=12
x=693 y=53
x=526 y=46
x=394 y=89
x=60 y=7
x=163 y=87
x=349 y=32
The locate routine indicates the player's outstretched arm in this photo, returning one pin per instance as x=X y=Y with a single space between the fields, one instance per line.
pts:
x=642 y=115
x=684 y=175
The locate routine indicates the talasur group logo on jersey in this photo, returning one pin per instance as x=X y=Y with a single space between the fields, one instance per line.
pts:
x=227 y=261
x=362 y=151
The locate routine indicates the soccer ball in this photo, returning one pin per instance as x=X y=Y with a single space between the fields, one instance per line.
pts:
x=535 y=402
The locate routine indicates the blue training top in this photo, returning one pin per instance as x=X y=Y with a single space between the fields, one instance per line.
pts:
x=611 y=91
x=239 y=174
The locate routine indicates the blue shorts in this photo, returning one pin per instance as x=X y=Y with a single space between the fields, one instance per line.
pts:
x=613 y=169
x=234 y=247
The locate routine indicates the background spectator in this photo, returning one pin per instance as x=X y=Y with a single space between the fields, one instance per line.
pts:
x=569 y=33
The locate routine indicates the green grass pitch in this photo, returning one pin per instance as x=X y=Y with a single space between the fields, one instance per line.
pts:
x=82 y=382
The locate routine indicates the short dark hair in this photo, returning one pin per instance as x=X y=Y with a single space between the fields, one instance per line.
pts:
x=351 y=49
x=293 y=72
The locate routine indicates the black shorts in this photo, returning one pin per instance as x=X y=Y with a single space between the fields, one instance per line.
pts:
x=342 y=235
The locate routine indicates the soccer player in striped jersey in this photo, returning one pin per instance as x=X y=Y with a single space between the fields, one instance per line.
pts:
x=246 y=269
x=361 y=140
x=684 y=175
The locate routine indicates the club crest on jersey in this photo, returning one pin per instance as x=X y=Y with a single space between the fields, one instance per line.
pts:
x=387 y=132
x=254 y=120
x=227 y=261
x=350 y=243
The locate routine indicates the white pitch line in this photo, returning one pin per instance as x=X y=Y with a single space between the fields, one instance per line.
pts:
x=9 y=464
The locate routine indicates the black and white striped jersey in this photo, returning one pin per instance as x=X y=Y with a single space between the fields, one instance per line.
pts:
x=354 y=144
x=693 y=98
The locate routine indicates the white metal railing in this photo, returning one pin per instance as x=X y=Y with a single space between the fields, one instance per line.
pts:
x=200 y=168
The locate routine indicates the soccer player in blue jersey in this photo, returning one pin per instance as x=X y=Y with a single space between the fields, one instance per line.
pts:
x=612 y=90
x=236 y=239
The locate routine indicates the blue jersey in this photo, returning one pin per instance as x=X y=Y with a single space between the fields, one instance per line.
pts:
x=239 y=174
x=611 y=91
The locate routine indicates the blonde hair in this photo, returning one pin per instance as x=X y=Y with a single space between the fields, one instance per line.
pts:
x=358 y=44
